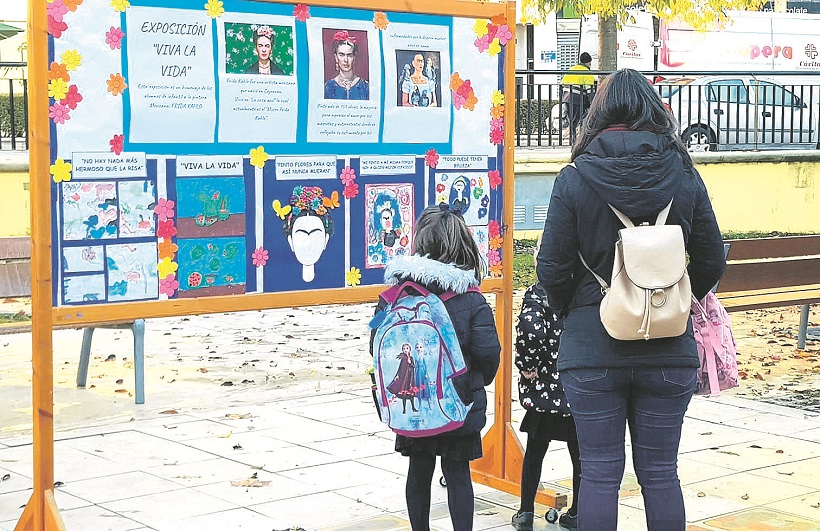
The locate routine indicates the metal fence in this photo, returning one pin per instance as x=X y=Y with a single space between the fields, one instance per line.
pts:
x=13 y=107
x=715 y=111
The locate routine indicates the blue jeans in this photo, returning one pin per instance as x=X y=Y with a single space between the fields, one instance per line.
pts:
x=653 y=401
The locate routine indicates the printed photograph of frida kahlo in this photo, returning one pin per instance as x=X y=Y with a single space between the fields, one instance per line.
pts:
x=258 y=49
x=347 y=64
x=418 y=78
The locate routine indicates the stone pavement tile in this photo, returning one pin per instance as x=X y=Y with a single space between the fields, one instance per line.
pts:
x=806 y=506
x=391 y=462
x=750 y=489
x=15 y=481
x=356 y=447
x=711 y=410
x=771 y=423
x=137 y=448
x=497 y=497
x=200 y=473
x=808 y=435
x=763 y=519
x=70 y=464
x=761 y=453
x=229 y=445
x=700 y=435
x=98 y=519
x=323 y=509
x=12 y=503
x=119 y=487
x=191 y=428
x=235 y=519
x=387 y=494
x=692 y=471
x=805 y=472
x=487 y=516
x=288 y=458
x=337 y=408
x=340 y=475
x=157 y=510
x=367 y=423
x=301 y=430
x=279 y=488
x=630 y=519
x=376 y=523
x=251 y=417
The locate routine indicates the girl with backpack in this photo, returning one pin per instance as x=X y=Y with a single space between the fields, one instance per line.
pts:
x=540 y=392
x=446 y=259
x=628 y=155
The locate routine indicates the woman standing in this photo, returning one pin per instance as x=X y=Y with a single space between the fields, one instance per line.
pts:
x=629 y=155
x=346 y=85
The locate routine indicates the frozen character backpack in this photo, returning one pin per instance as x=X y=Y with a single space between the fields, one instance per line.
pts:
x=716 y=346
x=416 y=356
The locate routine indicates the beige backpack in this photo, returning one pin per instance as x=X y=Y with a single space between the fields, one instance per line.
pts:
x=650 y=296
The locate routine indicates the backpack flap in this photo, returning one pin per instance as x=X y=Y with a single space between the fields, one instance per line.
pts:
x=654 y=255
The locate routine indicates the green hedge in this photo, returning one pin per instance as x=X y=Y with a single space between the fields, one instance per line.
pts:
x=19 y=116
x=527 y=118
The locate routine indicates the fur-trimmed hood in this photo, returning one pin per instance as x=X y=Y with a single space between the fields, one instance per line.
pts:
x=429 y=272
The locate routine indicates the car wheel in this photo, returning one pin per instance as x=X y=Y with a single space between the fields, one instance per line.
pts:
x=699 y=137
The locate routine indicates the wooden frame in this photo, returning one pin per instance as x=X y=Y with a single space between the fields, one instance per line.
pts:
x=501 y=466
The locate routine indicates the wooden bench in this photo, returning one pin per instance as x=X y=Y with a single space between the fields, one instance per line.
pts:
x=770 y=273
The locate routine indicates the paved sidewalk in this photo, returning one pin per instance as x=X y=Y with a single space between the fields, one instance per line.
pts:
x=294 y=441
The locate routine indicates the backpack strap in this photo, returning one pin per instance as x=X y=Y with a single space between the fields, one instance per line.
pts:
x=447 y=295
x=601 y=281
x=660 y=220
x=394 y=293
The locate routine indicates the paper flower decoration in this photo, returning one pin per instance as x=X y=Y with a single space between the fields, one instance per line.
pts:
x=120 y=5
x=431 y=157
x=463 y=93
x=56 y=10
x=164 y=209
x=495 y=270
x=113 y=38
x=495 y=179
x=258 y=157
x=455 y=81
x=496 y=123
x=348 y=175
x=497 y=111
x=116 y=84
x=166 y=267
x=494 y=48
x=497 y=136
x=351 y=190
x=259 y=257
x=60 y=171
x=116 y=143
x=58 y=71
x=72 y=60
x=57 y=89
x=495 y=242
x=169 y=285
x=482 y=43
x=380 y=21
x=56 y=28
x=166 y=248
x=499 y=20
x=301 y=12
x=58 y=113
x=504 y=34
x=332 y=201
x=72 y=98
x=72 y=4
x=480 y=27
x=353 y=277
x=214 y=8
x=493 y=229
x=166 y=229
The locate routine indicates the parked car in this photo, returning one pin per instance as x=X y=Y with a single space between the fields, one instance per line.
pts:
x=742 y=112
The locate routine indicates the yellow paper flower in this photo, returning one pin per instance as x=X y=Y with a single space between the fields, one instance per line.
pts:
x=60 y=171
x=495 y=48
x=380 y=21
x=259 y=157
x=214 y=8
x=72 y=60
x=57 y=88
x=166 y=267
x=498 y=98
x=353 y=277
x=120 y=5
x=480 y=27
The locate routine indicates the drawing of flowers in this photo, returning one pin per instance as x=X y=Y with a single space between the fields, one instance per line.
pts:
x=58 y=71
x=259 y=257
x=214 y=8
x=60 y=171
x=431 y=157
x=353 y=277
x=348 y=175
x=166 y=229
x=57 y=89
x=301 y=12
x=56 y=10
x=258 y=157
x=495 y=179
x=494 y=48
x=169 y=285
x=120 y=5
x=116 y=143
x=380 y=21
x=56 y=27
x=72 y=97
x=166 y=267
x=351 y=190
x=72 y=60
x=58 y=113
x=504 y=35
x=114 y=37
x=116 y=84
x=164 y=209
x=480 y=27
x=72 y=4
x=166 y=248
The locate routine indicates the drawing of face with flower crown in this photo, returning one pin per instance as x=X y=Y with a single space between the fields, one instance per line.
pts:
x=308 y=228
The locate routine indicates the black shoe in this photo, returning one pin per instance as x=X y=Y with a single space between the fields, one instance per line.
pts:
x=523 y=521
x=568 y=521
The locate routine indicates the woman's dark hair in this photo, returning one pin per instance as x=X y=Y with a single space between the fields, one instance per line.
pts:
x=442 y=235
x=256 y=38
x=625 y=98
x=290 y=220
x=336 y=45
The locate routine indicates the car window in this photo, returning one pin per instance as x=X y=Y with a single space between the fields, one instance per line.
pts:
x=727 y=91
x=772 y=94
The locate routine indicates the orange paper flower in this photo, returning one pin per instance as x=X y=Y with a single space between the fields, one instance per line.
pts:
x=380 y=21
x=166 y=248
x=499 y=20
x=495 y=270
x=116 y=84
x=72 y=4
x=58 y=71
x=455 y=81
x=496 y=242
x=497 y=112
x=470 y=103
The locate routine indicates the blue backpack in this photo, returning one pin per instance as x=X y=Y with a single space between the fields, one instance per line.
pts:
x=416 y=355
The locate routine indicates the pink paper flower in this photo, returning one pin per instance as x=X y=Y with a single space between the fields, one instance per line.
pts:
x=466 y=88
x=492 y=32
x=497 y=136
x=169 y=285
x=504 y=34
x=164 y=209
x=495 y=179
x=493 y=229
x=72 y=97
x=431 y=157
x=483 y=43
x=114 y=37
x=58 y=113
x=351 y=190
x=493 y=257
x=166 y=229
x=498 y=123
x=56 y=27
x=116 y=143
x=56 y=10
x=458 y=100
x=301 y=12
x=348 y=175
x=259 y=257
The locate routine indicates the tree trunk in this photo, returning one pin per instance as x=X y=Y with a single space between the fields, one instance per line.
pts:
x=607 y=43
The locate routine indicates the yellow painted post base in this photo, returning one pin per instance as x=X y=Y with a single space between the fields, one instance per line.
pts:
x=48 y=519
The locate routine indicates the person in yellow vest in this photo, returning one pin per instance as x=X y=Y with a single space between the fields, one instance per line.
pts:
x=577 y=92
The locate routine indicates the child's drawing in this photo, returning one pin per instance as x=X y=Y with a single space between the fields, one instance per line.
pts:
x=83 y=259
x=132 y=271
x=214 y=266
x=83 y=288
x=211 y=207
x=467 y=192
x=388 y=212
x=90 y=210
x=137 y=202
x=482 y=239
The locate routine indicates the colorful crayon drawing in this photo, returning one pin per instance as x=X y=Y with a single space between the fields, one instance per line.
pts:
x=90 y=210
x=136 y=200
x=83 y=259
x=467 y=192
x=132 y=271
x=307 y=225
x=482 y=239
x=388 y=212
x=211 y=207
x=83 y=288
x=214 y=266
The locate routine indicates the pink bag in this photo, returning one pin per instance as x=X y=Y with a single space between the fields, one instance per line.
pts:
x=717 y=349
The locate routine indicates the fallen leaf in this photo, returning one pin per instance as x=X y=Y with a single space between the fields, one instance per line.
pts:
x=119 y=382
x=778 y=451
x=169 y=412
x=225 y=435
x=58 y=484
x=701 y=494
x=112 y=357
x=121 y=391
x=238 y=416
x=250 y=482
x=744 y=497
x=227 y=383
x=237 y=447
x=785 y=473
x=203 y=370
x=727 y=452
x=6 y=477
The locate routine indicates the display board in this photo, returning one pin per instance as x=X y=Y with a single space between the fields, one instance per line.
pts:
x=234 y=148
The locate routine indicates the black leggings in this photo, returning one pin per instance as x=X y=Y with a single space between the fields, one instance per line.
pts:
x=459 y=492
x=531 y=471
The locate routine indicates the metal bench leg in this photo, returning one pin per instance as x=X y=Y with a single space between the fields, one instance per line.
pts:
x=85 y=354
x=804 y=326
x=139 y=360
